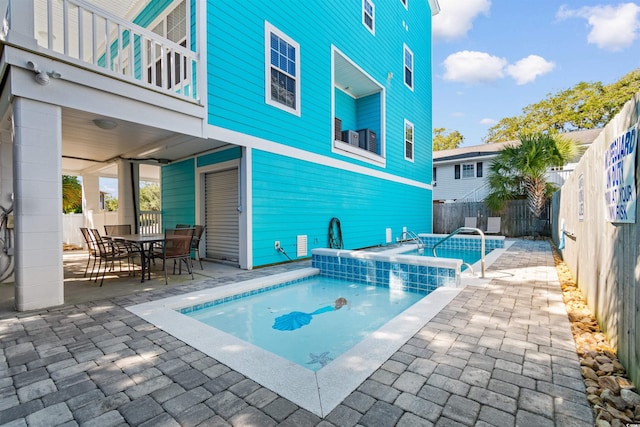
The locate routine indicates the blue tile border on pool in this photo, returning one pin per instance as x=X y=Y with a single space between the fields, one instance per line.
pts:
x=408 y=273
x=212 y=303
x=463 y=242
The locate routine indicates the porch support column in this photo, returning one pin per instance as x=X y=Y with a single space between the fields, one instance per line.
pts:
x=90 y=198
x=128 y=192
x=37 y=177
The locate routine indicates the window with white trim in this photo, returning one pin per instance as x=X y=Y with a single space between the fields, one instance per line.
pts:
x=408 y=67
x=369 y=15
x=468 y=170
x=405 y=3
x=282 y=70
x=408 y=140
x=172 y=26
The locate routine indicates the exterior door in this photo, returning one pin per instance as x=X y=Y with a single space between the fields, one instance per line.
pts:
x=221 y=215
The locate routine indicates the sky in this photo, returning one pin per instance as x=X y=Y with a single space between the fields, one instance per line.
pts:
x=492 y=58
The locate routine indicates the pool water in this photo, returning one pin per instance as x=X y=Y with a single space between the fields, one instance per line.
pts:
x=468 y=256
x=329 y=332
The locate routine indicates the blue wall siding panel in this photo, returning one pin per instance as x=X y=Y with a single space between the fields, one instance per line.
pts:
x=369 y=113
x=178 y=193
x=345 y=110
x=236 y=54
x=302 y=197
x=220 y=156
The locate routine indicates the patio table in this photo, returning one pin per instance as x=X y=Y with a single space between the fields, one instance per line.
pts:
x=144 y=243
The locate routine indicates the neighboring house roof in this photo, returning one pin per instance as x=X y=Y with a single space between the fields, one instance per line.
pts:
x=581 y=137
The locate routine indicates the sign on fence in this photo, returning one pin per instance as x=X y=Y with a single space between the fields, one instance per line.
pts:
x=619 y=179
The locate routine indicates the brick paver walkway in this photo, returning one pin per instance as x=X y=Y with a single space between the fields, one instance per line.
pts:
x=500 y=354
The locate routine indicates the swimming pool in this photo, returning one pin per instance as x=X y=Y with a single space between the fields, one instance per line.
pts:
x=300 y=322
x=317 y=391
x=467 y=256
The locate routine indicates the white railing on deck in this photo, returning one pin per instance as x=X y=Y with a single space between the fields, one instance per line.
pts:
x=150 y=222
x=81 y=31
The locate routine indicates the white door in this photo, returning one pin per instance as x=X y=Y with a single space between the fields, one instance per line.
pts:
x=221 y=215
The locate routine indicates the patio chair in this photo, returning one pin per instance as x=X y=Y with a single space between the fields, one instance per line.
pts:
x=183 y=225
x=176 y=246
x=493 y=225
x=195 y=243
x=471 y=222
x=108 y=253
x=92 y=248
x=120 y=230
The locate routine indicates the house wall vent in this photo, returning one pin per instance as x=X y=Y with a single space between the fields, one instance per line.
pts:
x=301 y=244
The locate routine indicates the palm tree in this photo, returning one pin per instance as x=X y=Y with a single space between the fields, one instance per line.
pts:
x=519 y=170
x=71 y=194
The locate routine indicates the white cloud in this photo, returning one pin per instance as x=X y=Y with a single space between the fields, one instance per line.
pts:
x=473 y=67
x=612 y=27
x=457 y=114
x=488 y=122
x=528 y=69
x=456 y=17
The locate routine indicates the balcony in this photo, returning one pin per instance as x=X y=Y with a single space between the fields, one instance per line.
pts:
x=82 y=34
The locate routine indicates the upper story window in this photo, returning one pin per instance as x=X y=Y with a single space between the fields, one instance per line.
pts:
x=358 y=112
x=282 y=70
x=369 y=15
x=408 y=140
x=172 y=26
x=469 y=170
x=408 y=67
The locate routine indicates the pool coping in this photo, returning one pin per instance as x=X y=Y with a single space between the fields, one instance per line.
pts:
x=320 y=391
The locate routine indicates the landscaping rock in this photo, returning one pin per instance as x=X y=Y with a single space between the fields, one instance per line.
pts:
x=613 y=397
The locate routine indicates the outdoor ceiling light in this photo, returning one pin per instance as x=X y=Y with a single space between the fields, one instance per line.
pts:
x=106 y=124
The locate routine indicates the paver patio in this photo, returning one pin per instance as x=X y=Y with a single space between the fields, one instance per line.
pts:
x=499 y=354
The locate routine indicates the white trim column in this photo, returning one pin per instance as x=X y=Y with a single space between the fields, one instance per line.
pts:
x=37 y=178
x=90 y=199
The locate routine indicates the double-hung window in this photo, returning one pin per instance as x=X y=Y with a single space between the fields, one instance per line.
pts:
x=408 y=140
x=282 y=71
x=369 y=15
x=468 y=170
x=408 y=67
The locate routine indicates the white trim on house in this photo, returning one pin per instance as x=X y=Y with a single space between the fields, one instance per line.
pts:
x=250 y=141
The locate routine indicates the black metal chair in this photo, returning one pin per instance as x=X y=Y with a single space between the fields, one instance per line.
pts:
x=195 y=243
x=92 y=248
x=108 y=253
x=176 y=246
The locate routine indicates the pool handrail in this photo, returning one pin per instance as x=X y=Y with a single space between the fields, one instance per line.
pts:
x=467 y=230
x=410 y=236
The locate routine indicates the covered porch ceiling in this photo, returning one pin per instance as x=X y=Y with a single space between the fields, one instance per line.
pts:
x=88 y=149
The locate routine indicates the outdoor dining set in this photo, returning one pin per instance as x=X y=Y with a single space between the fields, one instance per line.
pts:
x=119 y=245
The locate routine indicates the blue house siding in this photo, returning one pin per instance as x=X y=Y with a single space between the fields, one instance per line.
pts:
x=178 y=194
x=302 y=197
x=236 y=50
x=219 y=157
x=290 y=195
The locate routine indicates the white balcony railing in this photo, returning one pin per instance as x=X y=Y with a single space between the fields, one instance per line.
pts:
x=150 y=222
x=82 y=33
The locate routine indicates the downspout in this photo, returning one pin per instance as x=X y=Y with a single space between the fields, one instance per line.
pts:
x=136 y=216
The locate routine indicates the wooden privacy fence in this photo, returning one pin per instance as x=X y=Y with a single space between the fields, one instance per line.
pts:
x=604 y=256
x=516 y=218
